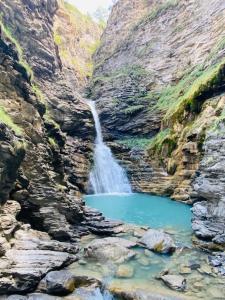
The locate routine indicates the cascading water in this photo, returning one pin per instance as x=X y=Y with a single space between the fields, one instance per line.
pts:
x=107 y=176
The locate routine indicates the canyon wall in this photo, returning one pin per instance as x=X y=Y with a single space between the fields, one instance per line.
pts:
x=159 y=85
x=41 y=99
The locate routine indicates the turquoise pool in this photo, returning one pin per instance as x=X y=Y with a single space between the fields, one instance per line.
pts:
x=144 y=209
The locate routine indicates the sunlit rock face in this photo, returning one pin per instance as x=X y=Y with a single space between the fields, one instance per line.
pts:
x=153 y=55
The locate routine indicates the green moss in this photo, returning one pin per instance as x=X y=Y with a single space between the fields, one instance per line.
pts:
x=6 y=119
x=165 y=139
x=204 y=84
x=52 y=142
x=133 y=109
x=57 y=39
x=49 y=118
x=8 y=34
x=38 y=93
x=140 y=143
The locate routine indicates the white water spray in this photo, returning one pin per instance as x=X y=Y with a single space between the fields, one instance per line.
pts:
x=107 y=176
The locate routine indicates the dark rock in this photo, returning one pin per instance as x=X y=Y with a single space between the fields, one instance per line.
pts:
x=57 y=283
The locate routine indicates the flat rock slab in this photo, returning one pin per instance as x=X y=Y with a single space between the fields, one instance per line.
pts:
x=32 y=255
x=175 y=282
x=113 y=240
x=110 y=249
x=158 y=241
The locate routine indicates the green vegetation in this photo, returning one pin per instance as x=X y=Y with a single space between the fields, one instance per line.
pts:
x=6 y=119
x=133 y=109
x=8 y=34
x=162 y=139
x=155 y=144
x=38 y=93
x=140 y=143
x=190 y=101
x=184 y=96
x=57 y=39
x=52 y=142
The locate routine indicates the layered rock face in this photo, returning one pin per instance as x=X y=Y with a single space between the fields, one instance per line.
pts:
x=40 y=96
x=159 y=86
x=46 y=135
x=145 y=69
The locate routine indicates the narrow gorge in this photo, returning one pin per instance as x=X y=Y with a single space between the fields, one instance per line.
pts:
x=112 y=151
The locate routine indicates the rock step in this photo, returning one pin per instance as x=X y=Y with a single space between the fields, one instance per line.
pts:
x=94 y=218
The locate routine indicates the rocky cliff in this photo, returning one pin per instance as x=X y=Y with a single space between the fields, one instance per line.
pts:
x=159 y=84
x=46 y=136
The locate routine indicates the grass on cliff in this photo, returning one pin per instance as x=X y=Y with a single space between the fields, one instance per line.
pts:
x=139 y=143
x=133 y=109
x=174 y=100
x=163 y=138
x=8 y=34
x=6 y=119
x=191 y=101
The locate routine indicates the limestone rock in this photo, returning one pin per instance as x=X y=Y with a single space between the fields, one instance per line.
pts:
x=109 y=250
x=158 y=241
x=175 y=282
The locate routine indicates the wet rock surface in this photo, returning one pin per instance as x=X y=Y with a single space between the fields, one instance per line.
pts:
x=28 y=254
x=109 y=250
x=158 y=241
x=175 y=282
x=57 y=283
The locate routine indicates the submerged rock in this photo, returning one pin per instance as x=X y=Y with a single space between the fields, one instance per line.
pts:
x=125 y=271
x=158 y=241
x=175 y=282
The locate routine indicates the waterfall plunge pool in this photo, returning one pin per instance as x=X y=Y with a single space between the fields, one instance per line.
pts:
x=146 y=210
x=156 y=212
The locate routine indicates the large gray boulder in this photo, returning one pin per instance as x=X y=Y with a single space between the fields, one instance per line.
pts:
x=158 y=241
x=110 y=249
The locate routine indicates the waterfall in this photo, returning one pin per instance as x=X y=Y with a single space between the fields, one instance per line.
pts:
x=107 y=176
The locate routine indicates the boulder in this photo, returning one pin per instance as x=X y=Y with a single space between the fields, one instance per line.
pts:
x=175 y=282
x=57 y=283
x=158 y=241
x=109 y=249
